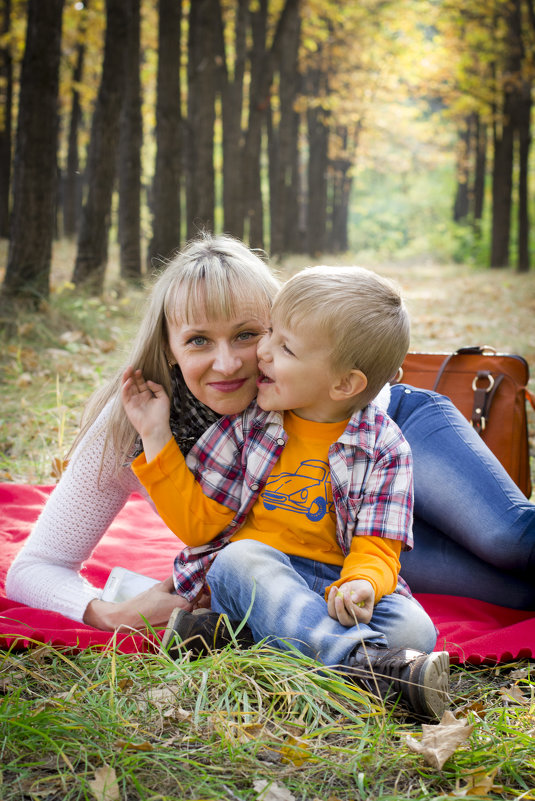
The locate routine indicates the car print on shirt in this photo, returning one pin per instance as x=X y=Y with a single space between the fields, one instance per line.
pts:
x=307 y=491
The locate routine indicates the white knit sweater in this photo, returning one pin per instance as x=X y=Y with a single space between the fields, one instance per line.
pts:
x=45 y=573
x=81 y=508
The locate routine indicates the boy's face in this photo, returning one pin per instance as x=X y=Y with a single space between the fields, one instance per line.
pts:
x=295 y=373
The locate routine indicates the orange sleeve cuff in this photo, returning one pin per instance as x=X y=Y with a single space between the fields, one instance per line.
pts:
x=373 y=559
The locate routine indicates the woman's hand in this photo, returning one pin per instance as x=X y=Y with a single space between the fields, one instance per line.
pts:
x=153 y=606
x=147 y=407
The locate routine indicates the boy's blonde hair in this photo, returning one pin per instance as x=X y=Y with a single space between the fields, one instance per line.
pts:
x=361 y=314
x=217 y=277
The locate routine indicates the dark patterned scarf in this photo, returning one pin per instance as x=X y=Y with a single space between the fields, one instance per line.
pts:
x=189 y=418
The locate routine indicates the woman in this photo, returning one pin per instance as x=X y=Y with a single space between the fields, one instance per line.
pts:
x=474 y=531
x=222 y=369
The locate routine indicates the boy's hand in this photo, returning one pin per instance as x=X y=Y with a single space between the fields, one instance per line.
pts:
x=147 y=407
x=352 y=602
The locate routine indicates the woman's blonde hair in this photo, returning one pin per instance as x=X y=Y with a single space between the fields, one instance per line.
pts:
x=216 y=276
x=361 y=314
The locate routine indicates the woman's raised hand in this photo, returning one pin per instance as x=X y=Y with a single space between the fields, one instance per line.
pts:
x=147 y=407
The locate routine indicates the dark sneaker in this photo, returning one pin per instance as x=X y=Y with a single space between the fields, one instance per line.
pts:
x=201 y=631
x=420 y=680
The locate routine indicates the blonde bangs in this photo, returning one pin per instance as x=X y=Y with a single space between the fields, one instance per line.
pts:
x=220 y=292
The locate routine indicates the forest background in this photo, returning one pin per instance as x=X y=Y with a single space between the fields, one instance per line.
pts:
x=302 y=126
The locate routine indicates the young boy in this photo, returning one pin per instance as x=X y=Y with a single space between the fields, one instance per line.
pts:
x=307 y=494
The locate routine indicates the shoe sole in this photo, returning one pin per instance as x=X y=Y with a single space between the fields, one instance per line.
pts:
x=171 y=628
x=433 y=685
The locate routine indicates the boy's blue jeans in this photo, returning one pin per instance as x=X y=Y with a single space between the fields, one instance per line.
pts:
x=283 y=598
x=474 y=531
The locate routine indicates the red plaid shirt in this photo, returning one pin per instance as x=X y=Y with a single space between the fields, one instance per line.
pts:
x=371 y=478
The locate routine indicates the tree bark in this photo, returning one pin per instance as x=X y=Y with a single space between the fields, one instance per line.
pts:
x=480 y=169
x=6 y=103
x=502 y=185
x=524 y=144
x=461 y=207
x=284 y=185
x=72 y=182
x=231 y=89
x=92 y=255
x=258 y=104
x=263 y=62
x=318 y=139
x=502 y=177
x=202 y=77
x=130 y=143
x=341 y=183
x=167 y=176
x=35 y=167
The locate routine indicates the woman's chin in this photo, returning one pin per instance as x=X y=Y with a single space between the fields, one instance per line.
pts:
x=231 y=404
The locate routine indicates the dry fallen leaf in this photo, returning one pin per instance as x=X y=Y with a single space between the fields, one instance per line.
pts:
x=515 y=694
x=127 y=745
x=295 y=751
x=272 y=791
x=478 y=783
x=440 y=741
x=104 y=786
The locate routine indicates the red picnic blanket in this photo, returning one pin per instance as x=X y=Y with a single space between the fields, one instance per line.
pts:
x=472 y=631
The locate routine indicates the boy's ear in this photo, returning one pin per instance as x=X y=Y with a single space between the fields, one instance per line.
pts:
x=349 y=385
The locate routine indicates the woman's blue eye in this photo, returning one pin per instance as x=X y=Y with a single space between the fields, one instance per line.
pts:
x=198 y=341
x=245 y=335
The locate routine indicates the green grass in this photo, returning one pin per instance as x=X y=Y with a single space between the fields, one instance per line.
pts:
x=210 y=728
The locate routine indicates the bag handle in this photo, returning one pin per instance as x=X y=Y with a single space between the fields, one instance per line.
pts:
x=481 y=349
x=483 y=394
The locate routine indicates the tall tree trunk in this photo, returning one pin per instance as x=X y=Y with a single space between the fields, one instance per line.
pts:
x=480 y=168
x=231 y=111
x=524 y=143
x=502 y=185
x=263 y=62
x=6 y=103
x=35 y=168
x=258 y=103
x=202 y=78
x=284 y=199
x=167 y=175
x=90 y=265
x=130 y=143
x=461 y=207
x=72 y=183
x=341 y=190
x=318 y=138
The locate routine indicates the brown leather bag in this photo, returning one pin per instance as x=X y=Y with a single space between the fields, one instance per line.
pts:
x=490 y=390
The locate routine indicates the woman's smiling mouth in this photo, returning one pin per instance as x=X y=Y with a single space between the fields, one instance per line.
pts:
x=228 y=386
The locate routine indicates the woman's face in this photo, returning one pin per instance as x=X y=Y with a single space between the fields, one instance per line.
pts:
x=218 y=359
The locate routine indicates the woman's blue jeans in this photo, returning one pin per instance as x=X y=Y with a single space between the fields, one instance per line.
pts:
x=474 y=531
x=282 y=598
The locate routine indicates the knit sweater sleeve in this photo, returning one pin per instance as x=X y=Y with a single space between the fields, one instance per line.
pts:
x=45 y=573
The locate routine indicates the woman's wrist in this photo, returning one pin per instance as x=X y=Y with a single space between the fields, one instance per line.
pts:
x=156 y=442
x=101 y=615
